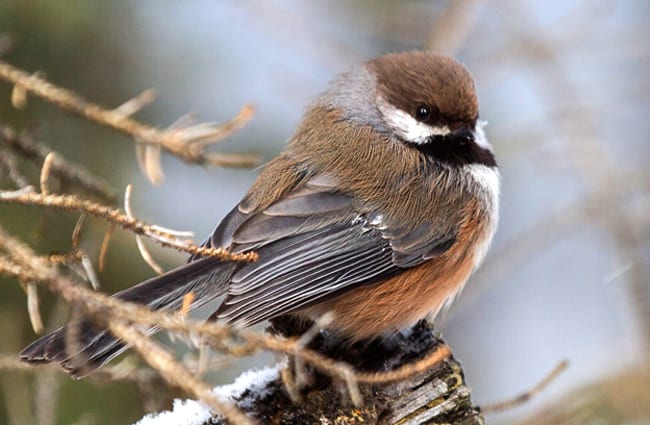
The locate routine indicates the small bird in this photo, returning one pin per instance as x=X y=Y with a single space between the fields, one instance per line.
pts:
x=377 y=211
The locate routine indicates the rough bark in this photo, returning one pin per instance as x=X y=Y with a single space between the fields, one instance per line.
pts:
x=437 y=396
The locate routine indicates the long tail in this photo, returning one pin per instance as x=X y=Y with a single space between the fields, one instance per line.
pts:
x=206 y=278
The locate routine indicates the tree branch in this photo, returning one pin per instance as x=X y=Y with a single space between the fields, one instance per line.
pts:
x=188 y=143
x=72 y=203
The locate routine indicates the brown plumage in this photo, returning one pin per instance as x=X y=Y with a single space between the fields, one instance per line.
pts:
x=408 y=297
x=378 y=210
x=451 y=92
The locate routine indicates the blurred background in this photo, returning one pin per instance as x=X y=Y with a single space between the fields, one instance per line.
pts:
x=564 y=86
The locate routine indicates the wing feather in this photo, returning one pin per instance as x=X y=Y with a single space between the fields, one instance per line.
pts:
x=313 y=245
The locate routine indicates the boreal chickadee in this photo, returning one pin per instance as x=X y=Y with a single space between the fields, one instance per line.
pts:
x=378 y=210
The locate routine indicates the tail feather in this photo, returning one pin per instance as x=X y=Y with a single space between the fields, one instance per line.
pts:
x=206 y=278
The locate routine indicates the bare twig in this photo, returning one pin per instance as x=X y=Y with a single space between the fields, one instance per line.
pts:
x=73 y=203
x=101 y=258
x=8 y=162
x=179 y=142
x=173 y=372
x=144 y=252
x=528 y=394
x=89 y=271
x=63 y=169
x=69 y=257
x=302 y=342
x=618 y=398
x=45 y=173
x=136 y=103
x=188 y=299
x=48 y=387
x=439 y=354
x=76 y=232
x=33 y=308
x=19 y=96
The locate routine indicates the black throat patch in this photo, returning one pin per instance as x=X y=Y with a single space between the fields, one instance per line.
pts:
x=455 y=151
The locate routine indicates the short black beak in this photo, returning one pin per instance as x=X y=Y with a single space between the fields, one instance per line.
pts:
x=462 y=136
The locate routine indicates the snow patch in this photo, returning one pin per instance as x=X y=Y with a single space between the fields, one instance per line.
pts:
x=192 y=412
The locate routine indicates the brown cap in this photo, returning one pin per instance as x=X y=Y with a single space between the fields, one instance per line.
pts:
x=412 y=79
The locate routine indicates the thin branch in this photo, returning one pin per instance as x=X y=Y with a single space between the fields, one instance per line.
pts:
x=35 y=152
x=136 y=103
x=101 y=258
x=8 y=162
x=45 y=173
x=33 y=307
x=72 y=203
x=173 y=372
x=48 y=392
x=11 y=362
x=527 y=395
x=176 y=141
x=89 y=271
x=441 y=353
x=144 y=252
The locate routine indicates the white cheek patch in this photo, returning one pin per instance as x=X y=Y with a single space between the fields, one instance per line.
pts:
x=479 y=135
x=407 y=127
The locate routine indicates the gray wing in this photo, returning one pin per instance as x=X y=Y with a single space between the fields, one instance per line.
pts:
x=312 y=246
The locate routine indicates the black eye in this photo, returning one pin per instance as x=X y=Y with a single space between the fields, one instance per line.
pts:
x=422 y=112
